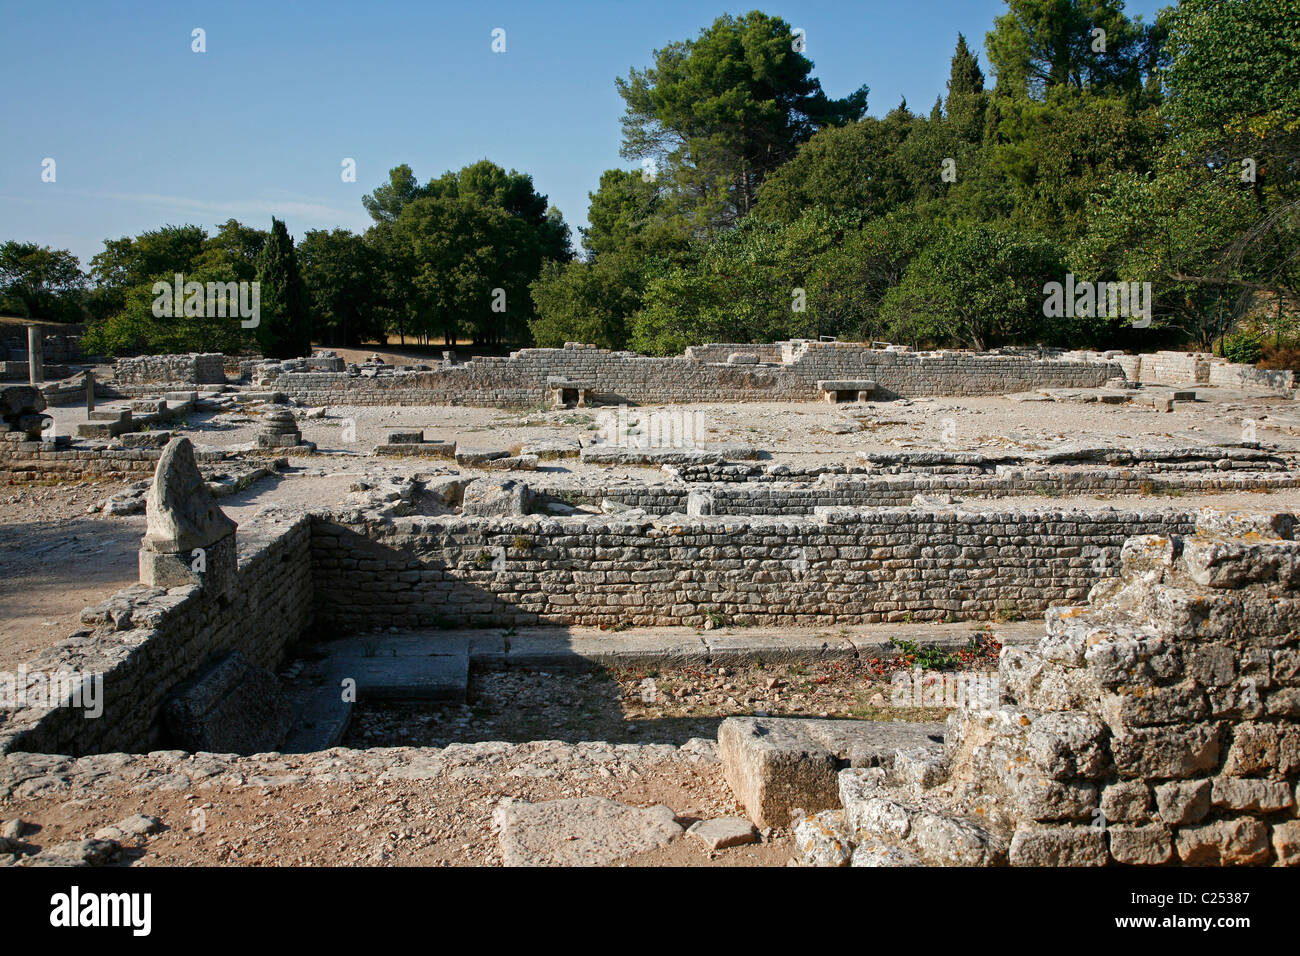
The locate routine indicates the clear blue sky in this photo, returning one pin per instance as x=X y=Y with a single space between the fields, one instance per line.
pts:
x=145 y=132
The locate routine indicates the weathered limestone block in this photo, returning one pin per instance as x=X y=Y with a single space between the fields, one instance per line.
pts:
x=1180 y=803
x=824 y=839
x=722 y=833
x=232 y=707
x=1128 y=801
x=949 y=841
x=1243 y=841
x=869 y=852
x=775 y=767
x=1068 y=744
x=496 y=497
x=1149 y=845
x=1286 y=842
x=1129 y=706
x=188 y=539
x=1234 y=562
x=1263 y=749
x=1059 y=846
x=583 y=831
x=1256 y=796
x=1166 y=752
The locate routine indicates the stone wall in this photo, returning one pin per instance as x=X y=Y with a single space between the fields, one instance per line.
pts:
x=839 y=566
x=769 y=498
x=205 y=368
x=625 y=377
x=146 y=641
x=1158 y=724
x=1230 y=375
x=70 y=460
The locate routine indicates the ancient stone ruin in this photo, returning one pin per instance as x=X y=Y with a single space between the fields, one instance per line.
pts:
x=746 y=581
x=1156 y=724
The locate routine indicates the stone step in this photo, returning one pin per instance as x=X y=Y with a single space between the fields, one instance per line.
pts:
x=321 y=717
x=410 y=666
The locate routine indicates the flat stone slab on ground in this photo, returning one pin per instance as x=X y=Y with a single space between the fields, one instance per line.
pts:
x=558 y=649
x=410 y=666
x=548 y=449
x=724 y=832
x=320 y=718
x=584 y=831
x=477 y=455
x=774 y=647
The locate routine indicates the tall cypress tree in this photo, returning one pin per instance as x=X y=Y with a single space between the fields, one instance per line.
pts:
x=966 y=75
x=285 y=327
x=966 y=97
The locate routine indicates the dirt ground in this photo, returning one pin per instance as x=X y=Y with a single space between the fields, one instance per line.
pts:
x=666 y=705
x=394 y=824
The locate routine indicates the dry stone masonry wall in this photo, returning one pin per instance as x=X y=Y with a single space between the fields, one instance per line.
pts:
x=206 y=368
x=1158 y=724
x=838 y=566
x=145 y=641
x=704 y=374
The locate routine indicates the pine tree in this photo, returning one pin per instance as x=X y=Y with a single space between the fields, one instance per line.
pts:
x=284 y=330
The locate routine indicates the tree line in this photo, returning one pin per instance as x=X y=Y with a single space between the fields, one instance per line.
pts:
x=758 y=208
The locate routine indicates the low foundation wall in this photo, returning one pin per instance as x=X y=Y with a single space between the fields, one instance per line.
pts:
x=764 y=498
x=837 y=567
x=146 y=641
x=206 y=368
x=41 y=460
x=624 y=377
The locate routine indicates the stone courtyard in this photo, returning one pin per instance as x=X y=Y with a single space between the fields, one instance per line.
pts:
x=806 y=603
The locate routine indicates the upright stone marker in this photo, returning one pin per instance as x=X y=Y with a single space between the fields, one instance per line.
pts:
x=35 y=355
x=188 y=538
x=90 y=391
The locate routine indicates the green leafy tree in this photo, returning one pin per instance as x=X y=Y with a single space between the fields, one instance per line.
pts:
x=127 y=262
x=1038 y=45
x=845 y=170
x=458 y=257
x=975 y=285
x=39 y=282
x=631 y=236
x=124 y=296
x=386 y=203
x=1234 y=102
x=341 y=272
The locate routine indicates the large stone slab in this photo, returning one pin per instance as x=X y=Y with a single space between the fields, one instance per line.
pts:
x=233 y=706
x=399 y=667
x=776 y=765
x=585 y=831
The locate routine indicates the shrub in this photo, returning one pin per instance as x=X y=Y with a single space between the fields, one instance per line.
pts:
x=1245 y=348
